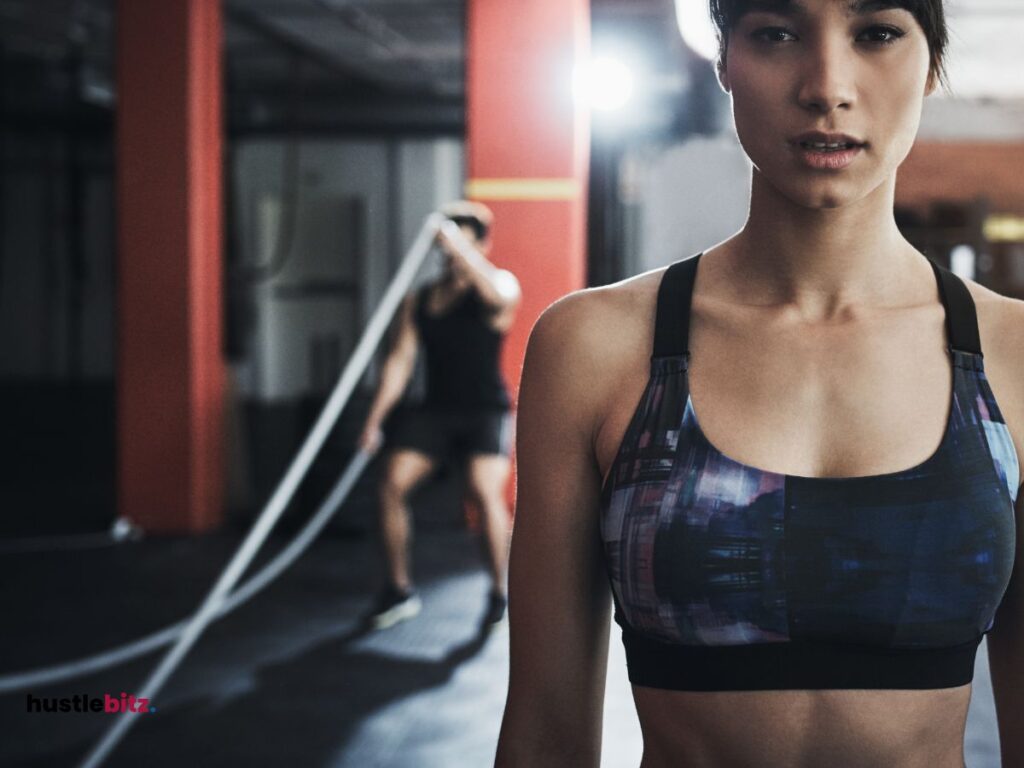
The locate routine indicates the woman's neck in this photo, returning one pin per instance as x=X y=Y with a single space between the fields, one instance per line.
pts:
x=822 y=258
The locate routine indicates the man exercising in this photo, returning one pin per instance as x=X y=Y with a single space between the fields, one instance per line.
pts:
x=460 y=320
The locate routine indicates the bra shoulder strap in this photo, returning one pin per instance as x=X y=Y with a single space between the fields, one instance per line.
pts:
x=961 y=315
x=675 y=295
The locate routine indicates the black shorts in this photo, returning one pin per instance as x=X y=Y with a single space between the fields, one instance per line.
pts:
x=445 y=433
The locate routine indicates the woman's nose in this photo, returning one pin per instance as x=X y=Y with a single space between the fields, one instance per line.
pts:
x=827 y=79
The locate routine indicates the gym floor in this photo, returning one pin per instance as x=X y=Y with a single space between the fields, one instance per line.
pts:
x=292 y=678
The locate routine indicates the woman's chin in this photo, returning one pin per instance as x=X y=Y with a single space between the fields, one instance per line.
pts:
x=822 y=196
x=826 y=202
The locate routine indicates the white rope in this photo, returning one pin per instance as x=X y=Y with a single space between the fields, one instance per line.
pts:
x=217 y=596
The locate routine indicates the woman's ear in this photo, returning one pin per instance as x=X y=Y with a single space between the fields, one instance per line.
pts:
x=931 y=83
x=722 y=73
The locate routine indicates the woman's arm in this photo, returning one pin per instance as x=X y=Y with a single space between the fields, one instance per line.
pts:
x=559 y=597
x=1006 y=640
x=1006 y=658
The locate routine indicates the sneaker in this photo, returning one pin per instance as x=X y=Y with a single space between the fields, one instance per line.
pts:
x=393 y=606
x=496 y=614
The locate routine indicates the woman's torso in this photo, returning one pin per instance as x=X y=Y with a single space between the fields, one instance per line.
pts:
x=803 y=729
x=774 y=395
x=462 y=349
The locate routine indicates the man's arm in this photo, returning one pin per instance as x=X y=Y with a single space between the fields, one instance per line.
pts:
x=497 y=287
x=399 y=364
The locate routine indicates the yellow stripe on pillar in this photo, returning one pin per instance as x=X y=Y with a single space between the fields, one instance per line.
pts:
x=523 y=189
x=527 y=152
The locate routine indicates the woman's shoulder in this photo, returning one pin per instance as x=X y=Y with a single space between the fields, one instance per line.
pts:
x=608 y=321
x=1001 y=327
x=1000 y=323
x=592 y=341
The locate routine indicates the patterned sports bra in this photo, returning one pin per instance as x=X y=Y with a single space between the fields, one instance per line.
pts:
x=728 y=577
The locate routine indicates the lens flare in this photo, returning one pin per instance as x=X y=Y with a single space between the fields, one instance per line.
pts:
x=606 y=83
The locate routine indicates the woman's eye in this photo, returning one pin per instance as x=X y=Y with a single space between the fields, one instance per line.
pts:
x=877 y=35
x=884 y=35
x=771 y=34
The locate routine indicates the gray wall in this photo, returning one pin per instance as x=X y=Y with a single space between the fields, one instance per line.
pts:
x=692 y=195
x=393 y=186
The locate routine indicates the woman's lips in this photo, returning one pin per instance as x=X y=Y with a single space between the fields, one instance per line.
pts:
x=825 y=160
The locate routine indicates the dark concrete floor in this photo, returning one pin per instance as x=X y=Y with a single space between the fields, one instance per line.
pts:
x=290 y=679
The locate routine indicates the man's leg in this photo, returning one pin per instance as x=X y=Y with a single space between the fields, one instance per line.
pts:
x=404 y=470
x=487 y=478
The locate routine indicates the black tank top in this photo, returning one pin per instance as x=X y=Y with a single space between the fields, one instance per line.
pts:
x=462 y=355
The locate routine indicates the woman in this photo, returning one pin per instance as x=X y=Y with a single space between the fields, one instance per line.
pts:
x=801 y=577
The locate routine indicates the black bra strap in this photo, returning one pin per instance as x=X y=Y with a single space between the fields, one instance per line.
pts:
x=672 y=325
x=961 y=316
x=675 y=294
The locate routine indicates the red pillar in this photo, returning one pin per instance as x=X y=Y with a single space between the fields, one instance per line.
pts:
x=170 y=373
x=528 y=148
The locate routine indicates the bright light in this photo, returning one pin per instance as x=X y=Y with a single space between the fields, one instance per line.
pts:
x=962 y=260
x=606 y=83
x=696 y=28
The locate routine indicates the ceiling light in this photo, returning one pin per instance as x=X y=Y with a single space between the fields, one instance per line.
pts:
x=606 y=83
x=696 y=28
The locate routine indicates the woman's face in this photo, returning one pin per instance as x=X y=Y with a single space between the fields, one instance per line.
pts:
x=823 y=65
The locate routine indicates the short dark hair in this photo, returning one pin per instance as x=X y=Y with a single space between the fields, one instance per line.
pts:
x=480 y=229
x=725 y=14
x=470 y=213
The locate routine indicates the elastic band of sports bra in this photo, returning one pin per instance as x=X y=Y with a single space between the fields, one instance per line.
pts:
x=795 y=664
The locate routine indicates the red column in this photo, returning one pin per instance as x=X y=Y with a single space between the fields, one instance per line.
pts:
x=528 y=148
x=171 y=377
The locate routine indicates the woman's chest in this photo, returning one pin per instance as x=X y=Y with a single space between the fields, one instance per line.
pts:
x=837 y=405
x=841 y=406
